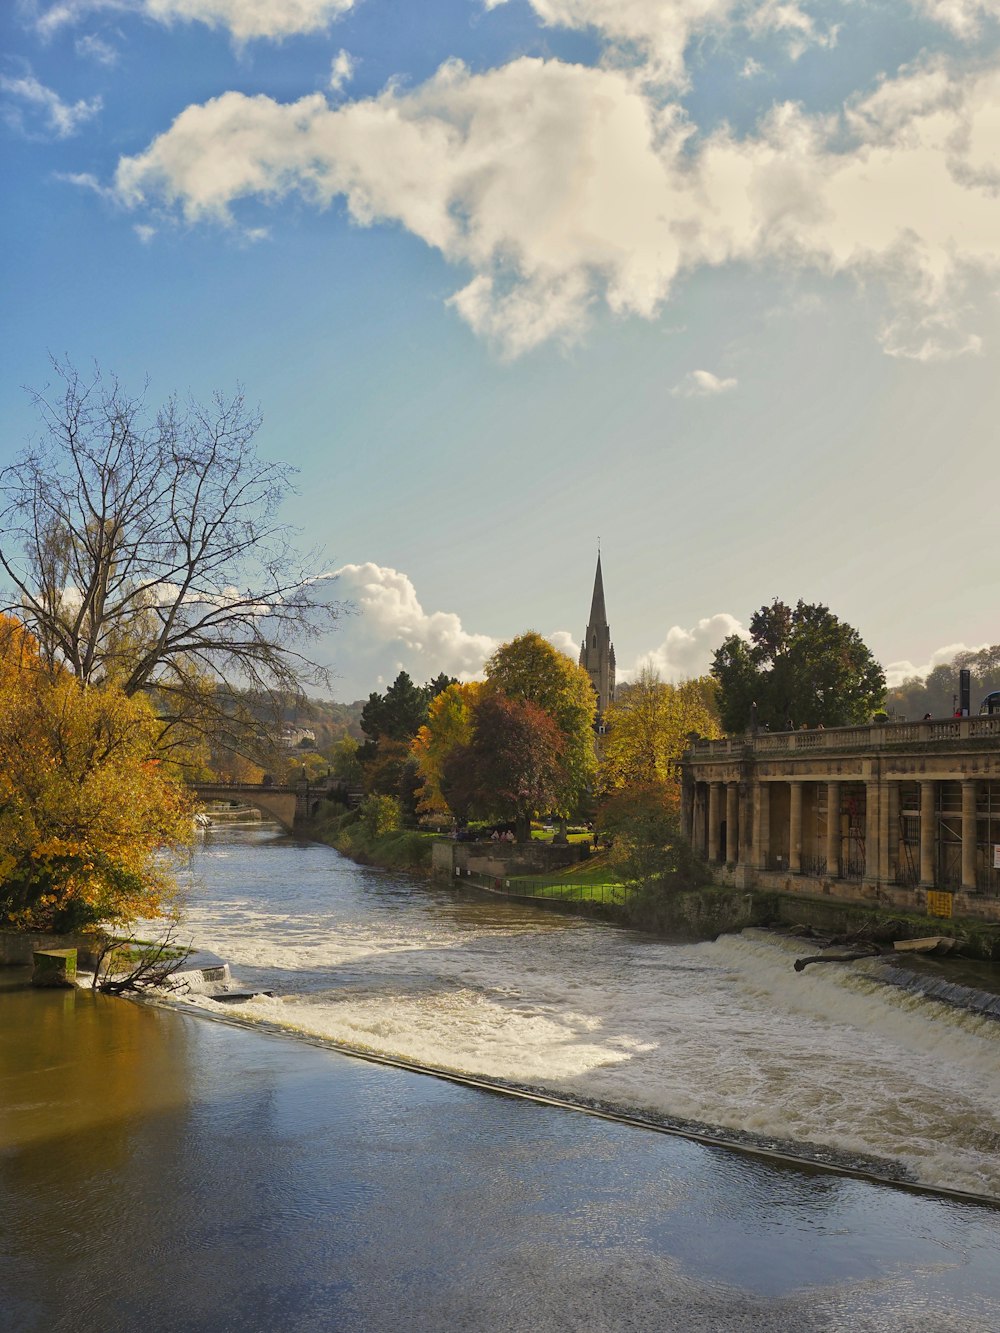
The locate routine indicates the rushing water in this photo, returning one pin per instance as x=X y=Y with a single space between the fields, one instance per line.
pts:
x=165 y=1173
x=726 y=1035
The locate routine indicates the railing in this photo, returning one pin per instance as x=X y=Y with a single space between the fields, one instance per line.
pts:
x=877 y=736
x=553 y=891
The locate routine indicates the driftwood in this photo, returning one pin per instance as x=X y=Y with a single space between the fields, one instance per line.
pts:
x=802 y=963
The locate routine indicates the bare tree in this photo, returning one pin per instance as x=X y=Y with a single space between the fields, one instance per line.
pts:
x=144 y=548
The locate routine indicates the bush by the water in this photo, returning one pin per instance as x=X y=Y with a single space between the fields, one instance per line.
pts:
x=361 y=839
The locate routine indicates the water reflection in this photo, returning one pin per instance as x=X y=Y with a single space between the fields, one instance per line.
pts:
x=163 y=1172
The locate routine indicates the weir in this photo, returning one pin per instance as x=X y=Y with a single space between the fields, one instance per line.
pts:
x=724 y=1036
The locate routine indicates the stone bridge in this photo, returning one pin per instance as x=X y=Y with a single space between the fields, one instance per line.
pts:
x=291 y=807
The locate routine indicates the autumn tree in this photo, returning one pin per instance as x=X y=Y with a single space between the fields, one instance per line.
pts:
x=448 y=725
x=801 y=665
x=649 y=723
x=513 y=767
x=87 y=811
x=143 y=548
x=529 y=669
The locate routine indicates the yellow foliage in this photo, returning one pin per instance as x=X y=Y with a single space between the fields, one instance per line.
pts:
x=86 y=808
x=648 y=726
x=449 y=724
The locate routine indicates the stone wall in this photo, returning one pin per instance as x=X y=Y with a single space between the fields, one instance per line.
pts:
x=503 y=860
x=888 y=897
x=17 y=947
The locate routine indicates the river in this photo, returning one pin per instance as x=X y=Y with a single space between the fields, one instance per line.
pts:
x=160 y=1171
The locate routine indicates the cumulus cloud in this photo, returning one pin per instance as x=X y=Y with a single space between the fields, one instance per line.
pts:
x=702 y=384
x=686 y=653
x=34 y=108
x=561 y=187
x=245 y=19
x=655 y=35
x=392 y=632
x=962 y=17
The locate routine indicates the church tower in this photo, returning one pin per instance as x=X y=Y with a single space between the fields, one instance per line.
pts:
x=597 y=652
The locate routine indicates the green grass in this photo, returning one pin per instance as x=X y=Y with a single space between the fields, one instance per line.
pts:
x=587 y=881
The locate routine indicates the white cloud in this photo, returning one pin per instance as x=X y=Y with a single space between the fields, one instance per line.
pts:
x=686 y=653
x=392 y=632
x=560 y=187
x=897 y=672
x=44 y=107
x=653 y=35
x=564 y=641
x=702 y=384
x=962 y=17
x=790 y=20
x=96 y=48
x=245 y=19
x=341 y=70
x=144 y=232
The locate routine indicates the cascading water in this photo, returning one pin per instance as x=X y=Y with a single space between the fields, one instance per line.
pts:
x=725 y=1036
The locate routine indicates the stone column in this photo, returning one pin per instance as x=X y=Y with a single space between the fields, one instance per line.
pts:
x=892 y=842
x=928 y=831
x=968 y=835
x=745 y=825
x=872 y=831
x=761 y=824
x=732 y=822
x=886 y=803
x=833 y=829
x=714 y=793
x=795 y=829
x=687 y=809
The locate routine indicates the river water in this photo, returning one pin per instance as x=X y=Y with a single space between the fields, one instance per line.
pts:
x=160 y=1171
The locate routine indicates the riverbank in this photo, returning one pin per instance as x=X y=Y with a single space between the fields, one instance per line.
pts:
x=398 y=849
x=702 y=912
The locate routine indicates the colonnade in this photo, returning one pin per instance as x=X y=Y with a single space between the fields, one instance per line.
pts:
x=758 y=823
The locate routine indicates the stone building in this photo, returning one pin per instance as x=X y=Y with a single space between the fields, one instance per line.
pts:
x=904 y=814
x=597 y=652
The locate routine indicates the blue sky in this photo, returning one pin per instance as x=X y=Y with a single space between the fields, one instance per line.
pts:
x=715 y=282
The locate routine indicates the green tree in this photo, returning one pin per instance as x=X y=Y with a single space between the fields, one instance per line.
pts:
x=642 y=827
x=802 y=665
x=530 y=669
x=937 y=692
x=399 y=714
x=380 y=814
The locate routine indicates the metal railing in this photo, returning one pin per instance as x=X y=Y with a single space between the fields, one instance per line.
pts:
x=565 y=891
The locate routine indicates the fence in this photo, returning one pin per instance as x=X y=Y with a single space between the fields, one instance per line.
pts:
x=565 y=891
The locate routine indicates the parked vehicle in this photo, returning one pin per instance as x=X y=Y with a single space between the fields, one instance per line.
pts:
x=991 y=704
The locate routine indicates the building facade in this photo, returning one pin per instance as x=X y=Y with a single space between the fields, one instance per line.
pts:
x=903 y=814
x=597 y=652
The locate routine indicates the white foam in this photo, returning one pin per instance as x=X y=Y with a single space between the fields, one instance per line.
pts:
x=724 y=1033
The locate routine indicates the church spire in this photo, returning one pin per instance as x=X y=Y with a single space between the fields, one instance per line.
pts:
x=598 y=615
x=597 y=652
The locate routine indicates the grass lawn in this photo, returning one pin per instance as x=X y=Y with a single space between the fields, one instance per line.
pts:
x=591 y=880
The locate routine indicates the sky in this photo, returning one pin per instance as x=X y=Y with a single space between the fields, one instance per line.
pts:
x=711 y=282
